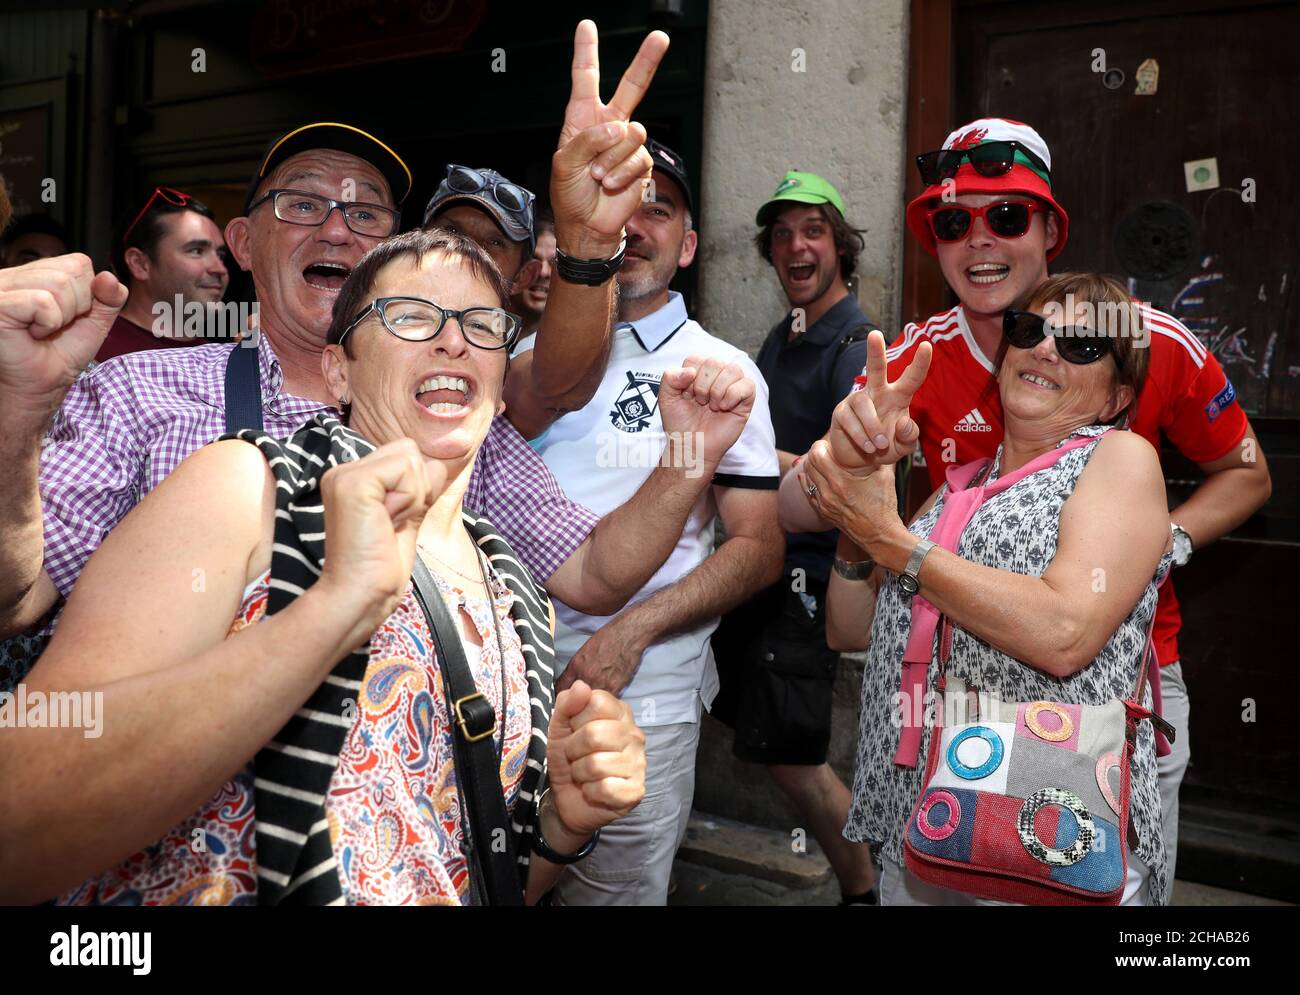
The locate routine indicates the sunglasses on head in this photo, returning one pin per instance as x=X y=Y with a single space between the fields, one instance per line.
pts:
x=1076 y=344
x=173 y=197
x=512 y=197
x=988 y=159
x=1008 y=219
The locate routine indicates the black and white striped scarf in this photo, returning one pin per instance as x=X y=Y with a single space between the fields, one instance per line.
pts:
x=295 y=857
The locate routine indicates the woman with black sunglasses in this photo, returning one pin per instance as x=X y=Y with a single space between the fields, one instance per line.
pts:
x=1052 y=585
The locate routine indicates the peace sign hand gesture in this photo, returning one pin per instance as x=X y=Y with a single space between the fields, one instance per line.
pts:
x=873 y=427
x=601 y=169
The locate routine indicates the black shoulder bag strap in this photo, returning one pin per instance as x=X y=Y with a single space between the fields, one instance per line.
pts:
x=243 y=390
x=488 y=839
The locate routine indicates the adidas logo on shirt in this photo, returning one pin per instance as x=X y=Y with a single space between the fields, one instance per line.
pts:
x=973 y=422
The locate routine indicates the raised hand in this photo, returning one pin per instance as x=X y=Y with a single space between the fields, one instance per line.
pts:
x=54 y=314
x=709 y=401
x=601 y=169
x=873 y=426
x=861 y=502
x=595 y=759
x=373 y=511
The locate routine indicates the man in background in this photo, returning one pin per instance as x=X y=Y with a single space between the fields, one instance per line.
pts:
x=169 y=253
x=533 y=284
x=655 y=653
x=32 y=237
x=777 y=671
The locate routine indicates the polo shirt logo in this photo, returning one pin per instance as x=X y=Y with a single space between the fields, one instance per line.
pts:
x=636 y=403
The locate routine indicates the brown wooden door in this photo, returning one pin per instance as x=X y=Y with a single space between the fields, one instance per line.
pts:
x=1226 y=260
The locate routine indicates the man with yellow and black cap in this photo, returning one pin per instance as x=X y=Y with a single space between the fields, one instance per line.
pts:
x=989 y=214
x=322 y=196
x=777 y=672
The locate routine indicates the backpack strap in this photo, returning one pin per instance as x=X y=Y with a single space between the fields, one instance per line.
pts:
x=858 y=334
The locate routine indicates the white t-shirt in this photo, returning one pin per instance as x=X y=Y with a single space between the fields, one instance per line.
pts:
x=602 y=454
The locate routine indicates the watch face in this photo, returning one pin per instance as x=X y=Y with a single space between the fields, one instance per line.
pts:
x=908 y=584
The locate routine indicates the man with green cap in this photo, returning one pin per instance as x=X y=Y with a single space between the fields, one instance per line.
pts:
x=777 y=671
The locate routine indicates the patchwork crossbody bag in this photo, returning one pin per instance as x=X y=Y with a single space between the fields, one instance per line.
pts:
x=1021 y=801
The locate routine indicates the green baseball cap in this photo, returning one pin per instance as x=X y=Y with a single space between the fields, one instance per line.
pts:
x=799 y=188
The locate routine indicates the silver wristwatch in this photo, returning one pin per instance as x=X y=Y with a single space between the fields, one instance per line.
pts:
x=908 y=579
x=859 y=570
x=1182 y=544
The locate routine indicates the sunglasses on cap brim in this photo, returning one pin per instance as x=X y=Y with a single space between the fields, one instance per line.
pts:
x=989 y=159
x=1077 y=344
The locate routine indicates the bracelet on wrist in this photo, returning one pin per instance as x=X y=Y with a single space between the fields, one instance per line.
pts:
x=543 y=849
x=854 y=570
x=588 y=272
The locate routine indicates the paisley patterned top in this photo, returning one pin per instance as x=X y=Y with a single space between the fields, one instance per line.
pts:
x=393 y=805
x=1015 y=530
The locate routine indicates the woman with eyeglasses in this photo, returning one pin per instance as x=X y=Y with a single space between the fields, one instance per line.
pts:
x=1049 y=591
x=281 y=720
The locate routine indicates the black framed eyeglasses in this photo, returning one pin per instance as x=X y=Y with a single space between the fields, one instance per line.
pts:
x=987 y=159
x=298 y=207
x=1076 y=344
x=414 y=319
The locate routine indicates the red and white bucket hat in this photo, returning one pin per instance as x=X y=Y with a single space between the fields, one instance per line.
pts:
x=1023 y=177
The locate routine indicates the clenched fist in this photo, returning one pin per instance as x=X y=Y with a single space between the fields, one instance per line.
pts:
x=595 y=760
x=708 y=400
x=373 y=511
x=54 y=314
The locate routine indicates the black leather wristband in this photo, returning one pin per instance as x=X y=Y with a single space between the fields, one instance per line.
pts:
x=589 y=272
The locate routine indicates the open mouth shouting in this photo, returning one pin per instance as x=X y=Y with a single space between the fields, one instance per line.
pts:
x=327 y=276
x=987 y=274
x=444 y=394
x=801 y=274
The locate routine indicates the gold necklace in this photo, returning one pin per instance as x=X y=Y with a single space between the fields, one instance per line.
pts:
x=476 y=580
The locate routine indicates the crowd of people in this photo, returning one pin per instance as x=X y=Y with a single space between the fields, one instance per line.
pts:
x=413 y=594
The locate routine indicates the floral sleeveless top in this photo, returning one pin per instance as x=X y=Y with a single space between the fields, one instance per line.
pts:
x=1015 y=530
x=393 y=804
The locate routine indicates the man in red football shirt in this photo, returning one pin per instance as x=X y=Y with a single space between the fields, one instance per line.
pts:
x=989 y=215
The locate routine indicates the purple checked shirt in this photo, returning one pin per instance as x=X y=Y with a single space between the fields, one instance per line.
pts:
x=130 y=421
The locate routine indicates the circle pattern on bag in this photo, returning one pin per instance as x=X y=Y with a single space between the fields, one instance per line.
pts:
x=1105 y=764
x=1050 y=735
x=996 y=753
x=1044 y=854
x=943 y=830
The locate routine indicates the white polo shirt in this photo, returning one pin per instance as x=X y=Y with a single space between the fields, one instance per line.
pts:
x=602 y=454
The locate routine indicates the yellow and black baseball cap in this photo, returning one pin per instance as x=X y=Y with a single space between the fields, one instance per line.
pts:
x=341 y=138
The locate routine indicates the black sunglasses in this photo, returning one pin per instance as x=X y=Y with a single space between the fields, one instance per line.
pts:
x=1076 y=344
x=988 y=159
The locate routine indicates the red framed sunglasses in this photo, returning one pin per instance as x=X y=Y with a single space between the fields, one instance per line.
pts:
x=1009 y=219
x=174 y=197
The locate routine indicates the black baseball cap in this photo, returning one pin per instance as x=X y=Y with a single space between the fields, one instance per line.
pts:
x=341 y=138
x=510 y=205
x=668 y=161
